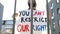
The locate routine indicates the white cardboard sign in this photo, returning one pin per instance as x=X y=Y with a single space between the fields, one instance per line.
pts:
x=23 y=21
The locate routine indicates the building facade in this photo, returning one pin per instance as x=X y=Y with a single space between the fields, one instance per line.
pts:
x=7 y=27
x=1 y=14
x=54 y=10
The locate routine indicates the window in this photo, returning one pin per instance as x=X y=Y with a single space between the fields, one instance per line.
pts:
x=57 y=1
x=9 y=22
x=52 y=15
x=59 y=22
x=58 y=11
x=52 y=6
x=54 y=25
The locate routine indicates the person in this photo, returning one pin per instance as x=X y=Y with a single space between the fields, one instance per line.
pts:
x=33 y=4
x=33 y=7
x=22 y=20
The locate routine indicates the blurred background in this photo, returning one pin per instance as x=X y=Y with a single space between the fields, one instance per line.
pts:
x=7 y=10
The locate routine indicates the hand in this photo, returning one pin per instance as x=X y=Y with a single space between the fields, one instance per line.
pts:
x=16 y=14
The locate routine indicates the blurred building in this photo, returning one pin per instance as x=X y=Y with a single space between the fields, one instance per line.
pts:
x=7 y=27
x=1 y=15
x=54 y=10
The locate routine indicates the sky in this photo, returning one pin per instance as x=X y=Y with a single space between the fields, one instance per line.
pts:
x=9 y=7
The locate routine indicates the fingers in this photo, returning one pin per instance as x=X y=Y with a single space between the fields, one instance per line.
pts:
x=16 y=14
